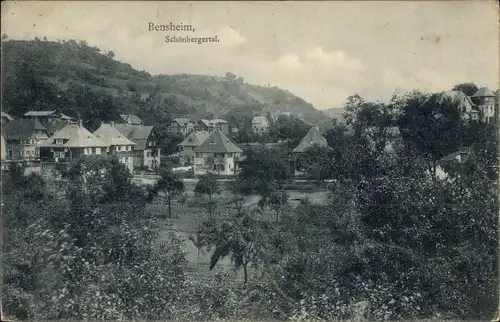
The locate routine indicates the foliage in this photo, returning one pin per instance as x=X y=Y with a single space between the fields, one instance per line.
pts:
x=209 y=186
x=168 y=186
x=468 y=89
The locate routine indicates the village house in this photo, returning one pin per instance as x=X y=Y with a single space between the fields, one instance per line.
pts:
x=45 y=117
x=182 y=125
x=260 y=124
x=6 y=117
x=312 y=138
x=118 y=144
x=23 y=138
x=467 y=108
x=70 y=143
x=485 y=101
x=186 y=147
x=146 y=152
x=217 y=154
x=212 y=125
x=131 y=119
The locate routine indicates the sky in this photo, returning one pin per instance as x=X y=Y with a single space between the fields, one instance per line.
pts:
x=320 y=51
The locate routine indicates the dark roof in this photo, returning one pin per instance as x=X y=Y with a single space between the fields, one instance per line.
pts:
x=217 y=142
x=53 y=127
x=21 y=128
x=483 y=92
x=312 y=138
x=195 y=138
x=132 y=119
x=136 y=133
x=182 y=121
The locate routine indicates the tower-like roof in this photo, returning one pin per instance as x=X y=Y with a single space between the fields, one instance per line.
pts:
x=217 y=142
x=483 y=92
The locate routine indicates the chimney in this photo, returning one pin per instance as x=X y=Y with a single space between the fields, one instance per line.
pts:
x=112 y=123
x=80 y=122
x=317 y=127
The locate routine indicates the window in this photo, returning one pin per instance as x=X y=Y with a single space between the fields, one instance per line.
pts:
x=59 y=155
x=97 y=150
x=129 y=148
x=93 y=150
x=148 y=154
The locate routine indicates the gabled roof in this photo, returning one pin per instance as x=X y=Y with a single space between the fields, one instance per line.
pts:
x=136 y=133
x=195 y=138
x=182 y=121
x=22 y=129
x=77 y=137
x=7 y=116
x=312 y=138
x=483 y=92
x=217 y=142
x=205 y=122
x=111 y=136
x=39 y=113
x=131 y=119
x=262 y=120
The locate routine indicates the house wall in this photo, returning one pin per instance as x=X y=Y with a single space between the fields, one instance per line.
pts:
x=227 y=161
x=186 y=155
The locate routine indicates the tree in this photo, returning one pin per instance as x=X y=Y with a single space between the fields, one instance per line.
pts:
x=209 y=186
x=432 y=126
x=241 y=237
x=110 y=54
x=230 y=75
x=468 y=89
x=168 y=186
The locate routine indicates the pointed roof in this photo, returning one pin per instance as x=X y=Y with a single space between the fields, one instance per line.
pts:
x=313 y=137
x=77 y=137
x=483 y=92
x=217 y=142
x=136 y=133
x=110 y=135
x=23 y=129
x=182 y=121
x=131 y=119
x=195 y=138
x=460 y=98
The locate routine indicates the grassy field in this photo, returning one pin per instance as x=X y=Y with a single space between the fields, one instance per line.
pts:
x=188 y=216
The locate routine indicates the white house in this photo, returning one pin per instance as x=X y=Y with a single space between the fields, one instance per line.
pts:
x=260 y=124
x=217 y=154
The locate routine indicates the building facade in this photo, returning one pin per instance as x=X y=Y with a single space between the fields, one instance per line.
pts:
x=485 y=101
x=217 y=154
x=146 y=152
x=182 y=126
x=23 y=138
x=70 y=143
x=186 y=147
x=118 y=144
x=260 y=124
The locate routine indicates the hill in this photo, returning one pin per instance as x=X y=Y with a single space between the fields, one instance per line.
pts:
x=82 y=81
x=335 y=113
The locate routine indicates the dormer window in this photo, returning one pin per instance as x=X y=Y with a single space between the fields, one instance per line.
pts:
x=213 y=142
